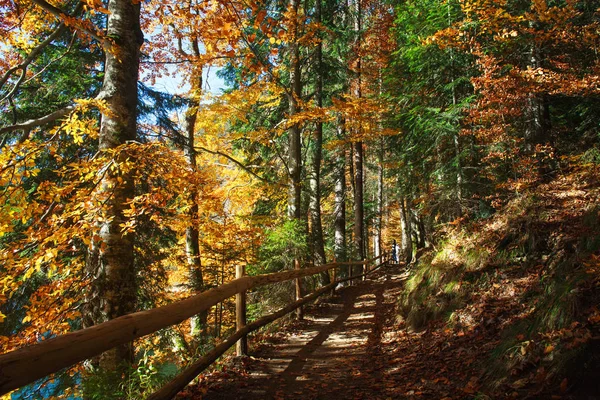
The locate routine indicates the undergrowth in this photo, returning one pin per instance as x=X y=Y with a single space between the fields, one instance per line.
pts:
x=527 y=277
x=136 y=382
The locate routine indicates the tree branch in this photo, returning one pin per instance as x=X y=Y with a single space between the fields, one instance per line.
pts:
x=32 y=123
x=35 y=52
x=64 y=16
x=238 y=163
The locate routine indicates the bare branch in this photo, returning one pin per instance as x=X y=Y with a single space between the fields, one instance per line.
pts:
x=52 y=61
x=17 y=85
x=37 y=50
x=32 y=123
x=238 y=163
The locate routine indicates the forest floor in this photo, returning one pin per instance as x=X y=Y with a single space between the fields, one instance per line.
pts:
x=349 y=346
x=506 y=308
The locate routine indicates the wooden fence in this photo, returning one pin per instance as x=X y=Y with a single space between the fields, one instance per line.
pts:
x=28 y=364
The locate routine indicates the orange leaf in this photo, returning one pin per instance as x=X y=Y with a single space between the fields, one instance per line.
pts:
x=563 y=385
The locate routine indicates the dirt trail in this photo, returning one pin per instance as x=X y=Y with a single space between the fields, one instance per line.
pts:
x=350 y=346
x=336 y=353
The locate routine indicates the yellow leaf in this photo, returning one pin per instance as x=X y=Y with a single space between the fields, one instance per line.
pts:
x=548 y=349
x=2 y=317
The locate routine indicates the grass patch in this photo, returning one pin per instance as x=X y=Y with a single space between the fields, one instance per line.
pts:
x=431 y=293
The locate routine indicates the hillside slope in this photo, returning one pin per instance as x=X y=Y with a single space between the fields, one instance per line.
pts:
x=525 y=283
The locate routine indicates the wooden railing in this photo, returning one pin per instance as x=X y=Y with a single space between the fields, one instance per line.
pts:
x=28 y=364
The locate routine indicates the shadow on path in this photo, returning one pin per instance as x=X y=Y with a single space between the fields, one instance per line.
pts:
x=336 y=355
x=295 y=367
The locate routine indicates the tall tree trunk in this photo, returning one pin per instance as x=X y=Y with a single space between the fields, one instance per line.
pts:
x=113 y=290
x=377 y=247
x=295 y=143
x=457 y=152
x=459 y=173
x=192 y=236
x=358 y=156
x=295 y=151
x=419 y=226
x=406 y=229
x=537 y=127
x=459 y=169
x=339 y=247
x=359 y=216
x=315 y=179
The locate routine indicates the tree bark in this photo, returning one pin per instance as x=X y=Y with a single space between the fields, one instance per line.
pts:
x=315 y=179
x=538 y=111
x=419 y=227
x=406 y=229
x=295 y=151
x=455 y=138
x=295 y=142
x=113 y=290
x=359 y=243
x=377 y=247
x=339 y=247
x=192 y=236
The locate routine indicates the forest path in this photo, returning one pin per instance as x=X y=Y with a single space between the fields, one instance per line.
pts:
x=335 y=353
x=352 y=346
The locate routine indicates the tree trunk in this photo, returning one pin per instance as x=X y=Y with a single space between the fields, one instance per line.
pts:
x=359 y=217
x=339 y=247
x=295 y=152
x=113 y=290
x=315 y=179
x=358 y=157
x=192 y=236
x=406 y=229
x=419 y=227
x=295 y=143
x=538 y=111
x=377 y=247
x=457 y=152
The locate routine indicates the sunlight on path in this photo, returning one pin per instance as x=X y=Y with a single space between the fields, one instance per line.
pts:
x=333 y=354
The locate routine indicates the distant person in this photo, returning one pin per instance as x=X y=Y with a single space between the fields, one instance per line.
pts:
x=395 y=252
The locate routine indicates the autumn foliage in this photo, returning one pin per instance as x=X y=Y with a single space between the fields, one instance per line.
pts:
x=418 y=118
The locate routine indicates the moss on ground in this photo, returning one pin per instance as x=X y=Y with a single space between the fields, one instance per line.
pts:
x=528 y=277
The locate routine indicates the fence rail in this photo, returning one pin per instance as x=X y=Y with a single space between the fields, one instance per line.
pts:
x=23 y=366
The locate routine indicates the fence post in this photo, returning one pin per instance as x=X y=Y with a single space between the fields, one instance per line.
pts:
x=241 y=346
x=299 y=310
x=334 y=279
